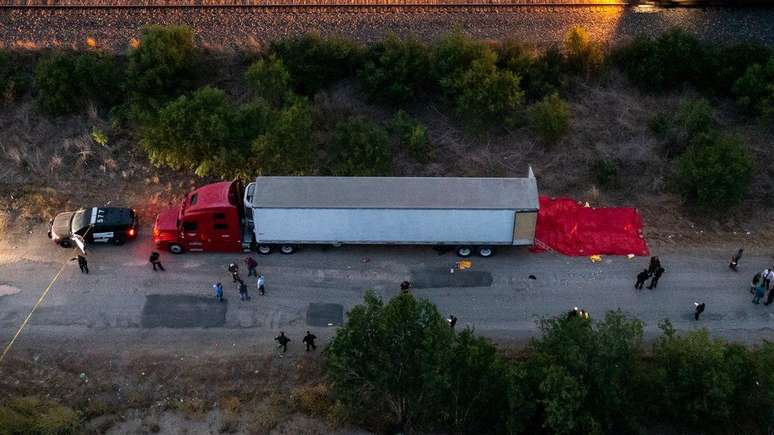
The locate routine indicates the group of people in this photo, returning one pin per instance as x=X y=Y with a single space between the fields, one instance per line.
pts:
x=654 y=272
x=233 y=269
x=762 y=288
x=308 y=340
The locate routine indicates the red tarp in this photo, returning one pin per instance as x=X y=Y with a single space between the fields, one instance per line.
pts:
x=567 y=227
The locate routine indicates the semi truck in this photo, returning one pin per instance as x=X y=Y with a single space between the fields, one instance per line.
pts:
x=469 y=215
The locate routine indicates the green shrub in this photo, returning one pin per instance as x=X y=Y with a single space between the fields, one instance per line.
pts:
x=755 y=90
x=452 y=56
x=15 y=75
x=315 y=62
x=413 y=136
x=584 y=56
x=485 y=95
x=396 y=70
x=714 y=172
x=673 y=59
x=541 y=74
x=270 y=79
x=58 y=92
x=288 y=146
x=703 y=383
x=580 y=375
x=730 y=62
x=605 y=172
x=692 y=120
x=163 y=67
x=205 y=133
x=30 y=415
x=359 y=148
x=66 y=81
x=549 y=118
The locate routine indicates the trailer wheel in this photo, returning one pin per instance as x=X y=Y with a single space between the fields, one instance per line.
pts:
x=264 y=249
x=464 y=251
x=287 y=249
x=485 y=251
x=175 y=248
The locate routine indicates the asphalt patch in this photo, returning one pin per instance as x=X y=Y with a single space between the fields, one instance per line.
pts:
x=183 y=311
x=442 y=278
x=324 y=315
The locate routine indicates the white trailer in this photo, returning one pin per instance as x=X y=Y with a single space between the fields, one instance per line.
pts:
x=471 y=214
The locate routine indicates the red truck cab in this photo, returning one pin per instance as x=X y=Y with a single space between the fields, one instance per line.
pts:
x=208 y=219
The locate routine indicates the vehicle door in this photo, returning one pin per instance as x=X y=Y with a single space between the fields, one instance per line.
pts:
x=192 y=235
x=225 y=232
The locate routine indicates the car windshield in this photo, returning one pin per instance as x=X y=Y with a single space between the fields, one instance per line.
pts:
x=81 y=219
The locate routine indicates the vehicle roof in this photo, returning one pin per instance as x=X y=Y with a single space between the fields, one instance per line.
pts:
x=103 y=216
x=397 y=192
x=211 y=196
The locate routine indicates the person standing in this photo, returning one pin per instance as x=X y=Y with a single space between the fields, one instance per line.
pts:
x=234 y=269
x=155 y=261
x=655 y=263
x=768 y=278
x=735 y=259
x=243 y=296
x=769 y=296
x=698 y=309
x=309 y=339
x=251 y=265
x=765 y=276
x=405 y=286
x=218 y=291
x=641 y=278
x=760 y=290
x=656 y=275
x=452 y=320
x=82 y=263
x=261 y=284
x=283 y=341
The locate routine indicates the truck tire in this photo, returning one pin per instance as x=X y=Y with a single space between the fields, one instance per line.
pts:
x=464 y=251
x=485 y=251
x=287 y=249
x=175 y=248
x=65 y=243
x=264 y=249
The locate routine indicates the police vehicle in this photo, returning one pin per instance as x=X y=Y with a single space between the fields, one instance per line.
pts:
x=95 y=225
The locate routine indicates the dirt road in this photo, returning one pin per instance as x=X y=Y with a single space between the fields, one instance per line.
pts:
x=123 y=304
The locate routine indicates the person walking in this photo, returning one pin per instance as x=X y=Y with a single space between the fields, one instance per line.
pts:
x=655 y=263
x=283 y=341
x=82 y=263
x=251 y=265
x=155 y=261
x=218 y=291
x=641 y=278
x=656 y=275
x=735 y=259
x=261 y=284
x=760 y=290
x=243 y=296
x=309 y=339
x=698 y=309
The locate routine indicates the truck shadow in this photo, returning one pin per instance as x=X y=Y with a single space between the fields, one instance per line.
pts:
x=183 y=311
x=437 y=278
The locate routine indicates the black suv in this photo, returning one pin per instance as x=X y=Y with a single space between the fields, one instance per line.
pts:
x=97 y=224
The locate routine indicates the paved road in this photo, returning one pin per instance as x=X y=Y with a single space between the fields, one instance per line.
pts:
x=124 y=304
